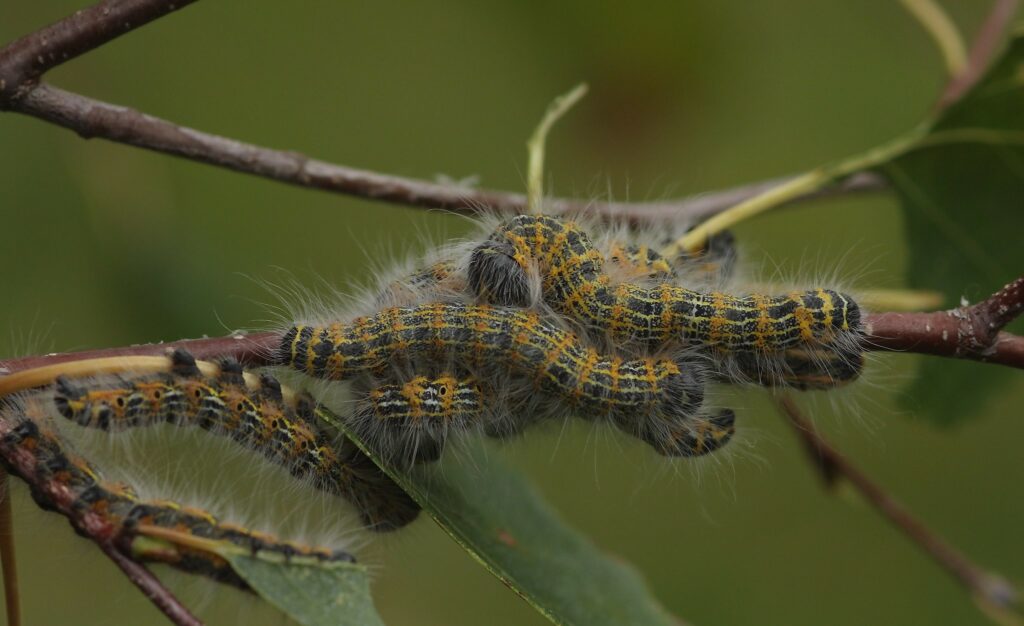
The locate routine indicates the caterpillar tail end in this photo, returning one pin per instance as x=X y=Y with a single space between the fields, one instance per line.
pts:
x=701 y=436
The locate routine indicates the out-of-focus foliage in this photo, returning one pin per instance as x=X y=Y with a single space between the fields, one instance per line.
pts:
x=105 y=245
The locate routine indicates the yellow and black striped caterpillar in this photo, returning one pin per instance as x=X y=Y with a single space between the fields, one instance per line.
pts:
x=186 y=538
x=656 y=399
x=254 y=411
x=575 y=284
x=803 y=367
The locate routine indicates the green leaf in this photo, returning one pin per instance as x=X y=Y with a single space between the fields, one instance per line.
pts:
x=330 y=594
x=500 y=519
x=962 y=191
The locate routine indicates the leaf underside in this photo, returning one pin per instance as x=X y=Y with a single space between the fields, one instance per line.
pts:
x=500 y=520
x=963 y=203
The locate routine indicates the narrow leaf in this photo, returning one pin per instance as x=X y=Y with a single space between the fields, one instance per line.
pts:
x=334 y=594
x=500 y=519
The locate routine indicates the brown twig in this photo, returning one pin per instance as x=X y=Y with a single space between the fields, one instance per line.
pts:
x=967 y=332
x=93 y=118
x=151 y=586
x=24 y=61
x=7 y=558
x=982 y=51
x=971 y=333
x=89 y=523
x=985 y=586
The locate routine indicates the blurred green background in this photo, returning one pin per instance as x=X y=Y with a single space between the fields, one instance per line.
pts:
x=103 y=245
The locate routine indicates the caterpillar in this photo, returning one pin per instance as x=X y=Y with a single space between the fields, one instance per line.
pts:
x=575 y=284
x=651 y=398
x=186 y=538
x=802 y=367
x=254 y=411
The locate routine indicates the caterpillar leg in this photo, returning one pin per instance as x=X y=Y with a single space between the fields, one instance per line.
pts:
x=812 y=368
x=253 y=410
x=186 y=538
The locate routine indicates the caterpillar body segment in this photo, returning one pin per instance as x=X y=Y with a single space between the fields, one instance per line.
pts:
x=696 y=437
x=413 y=420
x=254 y=412
x=190 y=532
x=639 y=261
x=186 y=538
x=496 y=340
x=575 y=284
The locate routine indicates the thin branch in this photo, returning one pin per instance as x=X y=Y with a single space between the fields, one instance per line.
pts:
x=92 y=525
x=151 y=586
x=983 y=49
x=987 y=587
x=967 y=332
x=7 y=559
x=93 y=118
x=971 y=332
x=24 y=61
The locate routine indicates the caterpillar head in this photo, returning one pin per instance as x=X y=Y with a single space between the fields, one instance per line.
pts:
x=496 y=275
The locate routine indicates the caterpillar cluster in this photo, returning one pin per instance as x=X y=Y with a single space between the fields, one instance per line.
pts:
x=186 y=538
x=651 y=398
x=532 y=322
x=537 y=321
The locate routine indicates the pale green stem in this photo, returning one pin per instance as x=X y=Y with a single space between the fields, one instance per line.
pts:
x=811 y=181
x=942 y=29
x=535 y=146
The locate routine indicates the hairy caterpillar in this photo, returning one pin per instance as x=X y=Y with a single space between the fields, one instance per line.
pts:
x=254 y=411
x=575 y=284
x=653 y=398
x=802 y=367
x=186 y=538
